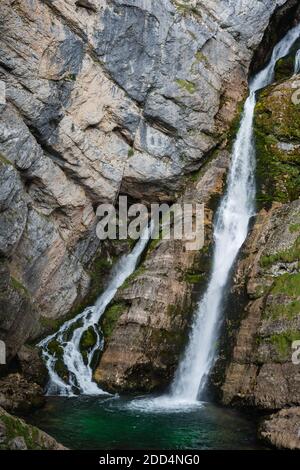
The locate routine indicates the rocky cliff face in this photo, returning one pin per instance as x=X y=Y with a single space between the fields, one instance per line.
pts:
x=15 y=434
x=101 y=98
x=261 y=372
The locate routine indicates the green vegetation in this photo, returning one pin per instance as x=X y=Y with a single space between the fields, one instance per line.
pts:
x=4 y=160
x=15 y=427
x=277 y=132
x=186 y=85
x=19 y=287
x=186 y=9
x=289 y=310
x=283 y=343
x=286 y=256
x=284 y=68
x=294 y=228
x=87 y=342
x=88 y=339
x=130 y=152
x=138 y=272
x=193 y=278
x=110 y=318
x=154 y=242
x=52 y=324
x=71 y=77
x=57 y=351
x=200 y=57
x=288 y=284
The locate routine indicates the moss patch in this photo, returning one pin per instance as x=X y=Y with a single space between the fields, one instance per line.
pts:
x=17 y=285
x=4 y=160
x=186 y=85
x=193 y=278
x=186 y=9
x=288 y=284
x=283 y=343
x=290 y=310
x=284 y=68
x=294 y=228
x=277 y=133
x=287 y=256
x=110 y=318
x=138 y=272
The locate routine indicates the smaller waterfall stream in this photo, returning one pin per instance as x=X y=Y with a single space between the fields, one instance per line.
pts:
x=80 y=370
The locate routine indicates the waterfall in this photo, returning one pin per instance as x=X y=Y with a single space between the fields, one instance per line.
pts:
x=230 y=231
x=69 y=335
x=297 y=63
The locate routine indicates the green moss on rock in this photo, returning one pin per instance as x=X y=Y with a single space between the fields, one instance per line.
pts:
x=17 y=285
x=34 y=439
x=288 y=284
x=110 y=318
x=288 y=310
x=88 y=340
x=194 y=278
x=284 y=68
x=277 y=134
x=283 y=343
x=4 y=160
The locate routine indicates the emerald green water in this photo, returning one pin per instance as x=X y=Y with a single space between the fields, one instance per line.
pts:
x=113 y=423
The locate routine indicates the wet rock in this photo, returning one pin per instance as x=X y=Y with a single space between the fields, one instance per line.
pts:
x=17 y=435
x=18 y=395
x=282 y=429
x=17 y=443
x=32 y=366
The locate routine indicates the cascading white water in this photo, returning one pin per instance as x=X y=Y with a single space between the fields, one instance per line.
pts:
x=297 y=63
x=80 y=370
x=230 y=231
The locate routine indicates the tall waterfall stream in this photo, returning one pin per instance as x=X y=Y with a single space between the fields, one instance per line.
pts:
x=230 y=232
